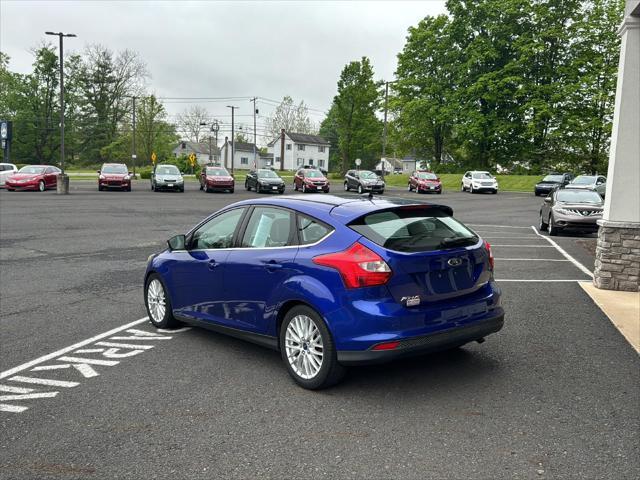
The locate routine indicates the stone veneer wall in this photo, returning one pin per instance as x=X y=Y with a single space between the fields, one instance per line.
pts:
x=618 y=256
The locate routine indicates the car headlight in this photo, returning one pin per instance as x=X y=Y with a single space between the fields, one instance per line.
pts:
x=180 y=180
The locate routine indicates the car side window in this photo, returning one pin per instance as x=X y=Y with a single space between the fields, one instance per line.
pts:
x=217 y=232
x=268 y=227
x=311 y=230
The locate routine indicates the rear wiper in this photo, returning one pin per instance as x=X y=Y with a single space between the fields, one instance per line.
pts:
x=452 y=241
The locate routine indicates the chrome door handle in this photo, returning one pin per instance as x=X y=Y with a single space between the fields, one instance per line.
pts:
x=272 y=265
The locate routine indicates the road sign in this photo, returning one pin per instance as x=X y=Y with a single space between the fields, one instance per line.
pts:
x=358 y=162
x=154 y=157
x=192 y=159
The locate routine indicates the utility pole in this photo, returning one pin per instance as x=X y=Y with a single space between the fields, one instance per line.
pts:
x=214 y=128
x=384 y=131
x=233 y=135
x=282 y=150
x=63 y=178
x=133 y=140
x=226 y=150
x=255 y=161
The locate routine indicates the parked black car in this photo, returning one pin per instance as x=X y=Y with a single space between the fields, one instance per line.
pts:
x=264 y=180
x=551 y=182
x=363 y=181
x=567 y=208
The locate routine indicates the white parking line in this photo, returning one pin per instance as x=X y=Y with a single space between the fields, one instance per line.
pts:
x=527 y=246
x=493 y=226
x=564 y=253
x=74 y=365
x=529 y=280
x=528 y=237
x=531 y=259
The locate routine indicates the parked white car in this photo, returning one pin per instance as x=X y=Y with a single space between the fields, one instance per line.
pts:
x=6 y=170
x=597 y=183
x=478 y=181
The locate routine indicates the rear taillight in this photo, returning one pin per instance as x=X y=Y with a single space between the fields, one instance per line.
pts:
x=358 y=266
x=487 y=245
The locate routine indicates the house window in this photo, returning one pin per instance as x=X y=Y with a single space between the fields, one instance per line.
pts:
x=244 y=160
x=277 y=159
x=321 y=148
x=288 y=146
x=321 y=163
x=311 y=161
x=300 y=161
x=301 y=147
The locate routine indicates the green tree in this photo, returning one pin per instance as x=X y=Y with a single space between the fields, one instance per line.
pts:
x=359 y=130
x=426 y=82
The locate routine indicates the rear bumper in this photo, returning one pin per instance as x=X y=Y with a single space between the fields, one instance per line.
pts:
x=440 y=340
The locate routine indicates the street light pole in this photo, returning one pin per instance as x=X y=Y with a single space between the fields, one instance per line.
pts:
x=63 y=179
x=134 y=156
x=233 y=136
x=384 y=131
x=214 y=128
x=255 y=161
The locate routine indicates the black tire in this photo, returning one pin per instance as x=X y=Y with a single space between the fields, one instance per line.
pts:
x=439 y=192
x=99 y=188
x=346 y=187
x=295 y=187
x=152 y=187
x=232 y=190
x=409 y=187
x=128 y=189
x=495 y=192
x=201 y=186
x=541 y=225
x=304 y=188
x=553 y=230
x=462 y=189
x=182 y=190
x=168 y=320
x=41 y=186
x=381 y=192
x=471 y=190
x=360 y=190
x=247 y=186
x=331 y=372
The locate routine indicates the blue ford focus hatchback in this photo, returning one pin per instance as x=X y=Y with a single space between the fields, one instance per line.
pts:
x=329 y=281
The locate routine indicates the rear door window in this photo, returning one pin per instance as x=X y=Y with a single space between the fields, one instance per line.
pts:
x=311 y=230
x=414 y=230
x=268 y=228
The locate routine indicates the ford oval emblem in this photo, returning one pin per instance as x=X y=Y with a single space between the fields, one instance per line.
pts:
x=455 y=262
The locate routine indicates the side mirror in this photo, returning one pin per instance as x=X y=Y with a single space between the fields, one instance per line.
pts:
x=98 y=171
x=130 y=173
x=177 y=242
x=547 y=200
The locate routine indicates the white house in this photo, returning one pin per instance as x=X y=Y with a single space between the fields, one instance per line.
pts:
x=200 y=150
x=300 y=149
x=242 y=156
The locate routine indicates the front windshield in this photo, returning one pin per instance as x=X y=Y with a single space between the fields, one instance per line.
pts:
x=267 y=174
x=167 y=170
x=482 y=175
x=367 y=174
x=584 y=180
x=427 y=176
x=313 y=174
x=553 y=178
x=114 y=169
x=578 y=196
x=31 y=170
x=217 y=172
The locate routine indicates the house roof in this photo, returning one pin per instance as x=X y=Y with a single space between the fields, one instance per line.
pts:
x=266 y=155
x=302 y=138
x=394 y=162
x=243 y=147
x=193 y=147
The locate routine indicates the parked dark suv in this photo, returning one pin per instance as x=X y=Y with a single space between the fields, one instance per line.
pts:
x=363 y=181
x=551 y=182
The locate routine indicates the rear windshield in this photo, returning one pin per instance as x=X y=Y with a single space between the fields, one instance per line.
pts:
x=414 y=230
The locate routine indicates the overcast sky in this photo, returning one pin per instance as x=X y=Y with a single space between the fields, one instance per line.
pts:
x=220 y=49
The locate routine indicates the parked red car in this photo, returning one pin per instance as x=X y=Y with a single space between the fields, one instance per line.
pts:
x=114 y=176
x=310 y=180
x=216 y=178
x=423 y=181
x=34 y=177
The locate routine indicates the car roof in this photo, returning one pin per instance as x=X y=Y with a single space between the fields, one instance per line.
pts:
x=341 y=208
x=113 y=164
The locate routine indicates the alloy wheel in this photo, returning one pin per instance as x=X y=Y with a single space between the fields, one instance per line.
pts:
x=346 y=187
x=41 y=186
x=156 y=300
x=359 y=188
x=304 y=347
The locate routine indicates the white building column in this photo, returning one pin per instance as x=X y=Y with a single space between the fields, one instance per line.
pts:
x=617 y=265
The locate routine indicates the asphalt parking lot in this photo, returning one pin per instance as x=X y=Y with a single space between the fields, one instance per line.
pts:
x=555 y=394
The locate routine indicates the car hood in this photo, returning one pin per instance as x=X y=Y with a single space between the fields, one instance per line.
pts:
x=591 y=206
x=219 y=177
x=584 y=187
x=164 y=178
x=546 y=182
x=24 y=176
x=114 y=176
x=272 y=181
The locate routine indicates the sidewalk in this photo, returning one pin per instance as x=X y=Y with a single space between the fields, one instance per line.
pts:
x=622 y=308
